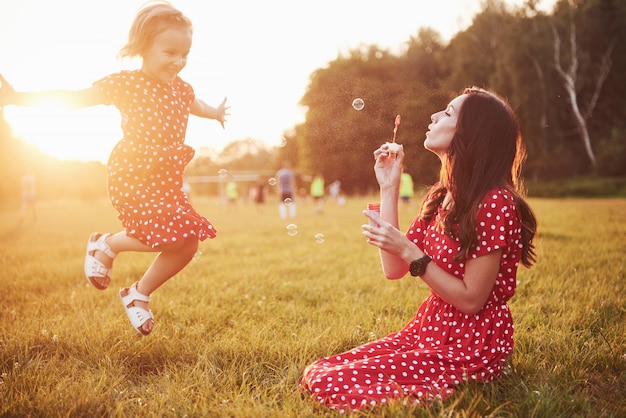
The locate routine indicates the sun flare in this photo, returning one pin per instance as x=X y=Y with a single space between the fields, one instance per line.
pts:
x=66 y=133
x=263 y=70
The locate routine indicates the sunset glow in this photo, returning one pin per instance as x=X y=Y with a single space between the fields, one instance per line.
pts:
x=257 y=54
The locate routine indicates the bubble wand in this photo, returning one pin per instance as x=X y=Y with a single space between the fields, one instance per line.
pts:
x=395 y=129
x=393 y=147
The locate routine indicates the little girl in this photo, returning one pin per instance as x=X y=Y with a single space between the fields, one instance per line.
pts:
x=145 y=169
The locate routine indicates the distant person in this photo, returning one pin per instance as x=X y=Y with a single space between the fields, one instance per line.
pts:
x=406 y=188
x=473 y=230
x=145 y=168
x=317 y=193
x=29 y=197
x=286 y=181
x=336 y=193
x=232 y=193
x=259 y=195
x=334 y=189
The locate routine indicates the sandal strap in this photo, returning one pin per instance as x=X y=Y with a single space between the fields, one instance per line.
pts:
x=138 y=317
x=101 y=245
x=96 y=269
x=133 y=295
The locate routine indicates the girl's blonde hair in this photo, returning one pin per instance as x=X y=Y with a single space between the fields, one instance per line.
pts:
x=152 y=19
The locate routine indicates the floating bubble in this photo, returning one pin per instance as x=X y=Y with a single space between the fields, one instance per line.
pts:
x=223 y=172
x=292 y=230
x=283 y=142
x=288 y=201
x=319 y=238
x=358 y=104
x=272 y=181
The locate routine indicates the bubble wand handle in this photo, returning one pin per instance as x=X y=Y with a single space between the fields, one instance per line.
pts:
x=395 y=129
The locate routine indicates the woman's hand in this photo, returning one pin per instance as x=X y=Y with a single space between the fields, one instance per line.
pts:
x=388 y=166
x=395 y=248
x=387 y=237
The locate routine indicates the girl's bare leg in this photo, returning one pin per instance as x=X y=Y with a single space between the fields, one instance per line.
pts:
x=163 y=268
x=172 y=259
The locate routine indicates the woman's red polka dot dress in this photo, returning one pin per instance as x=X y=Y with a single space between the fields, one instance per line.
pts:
x=441 y=347
x=145 y=169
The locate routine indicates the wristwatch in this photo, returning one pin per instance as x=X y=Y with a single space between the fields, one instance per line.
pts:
x=418 y=267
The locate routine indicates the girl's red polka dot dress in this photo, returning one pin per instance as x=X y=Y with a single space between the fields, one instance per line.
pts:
x=441 y=347
x=145 y=169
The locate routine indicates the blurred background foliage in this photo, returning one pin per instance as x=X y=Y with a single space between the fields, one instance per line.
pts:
x=563 y=72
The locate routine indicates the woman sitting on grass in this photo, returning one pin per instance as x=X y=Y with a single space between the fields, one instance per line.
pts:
x=473 y=230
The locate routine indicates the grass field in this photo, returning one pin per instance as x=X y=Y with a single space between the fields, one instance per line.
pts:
x=235 y=329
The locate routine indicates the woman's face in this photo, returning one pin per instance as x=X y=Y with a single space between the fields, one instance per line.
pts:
x=443 y=126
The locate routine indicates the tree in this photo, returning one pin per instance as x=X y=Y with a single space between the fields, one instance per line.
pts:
x=245 y=155
x=569 y=78
x=337 y=140
x=420 y=78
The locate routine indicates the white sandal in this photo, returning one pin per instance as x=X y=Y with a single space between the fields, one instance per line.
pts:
x=138 y=316
x=94 y=269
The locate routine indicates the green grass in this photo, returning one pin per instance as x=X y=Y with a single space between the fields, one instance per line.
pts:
x=236 y=328
x=580 y=187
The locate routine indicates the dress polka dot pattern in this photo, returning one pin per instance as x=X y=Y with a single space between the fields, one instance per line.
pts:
x=441 y=347
x=145 y=169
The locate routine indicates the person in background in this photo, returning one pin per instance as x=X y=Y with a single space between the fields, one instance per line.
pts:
x=473 y=230
x=259 y=195
x=336 y=193
x=232 y=193
x=145 y=168
x=286 y=181
x=406 y=188
x=317 y=193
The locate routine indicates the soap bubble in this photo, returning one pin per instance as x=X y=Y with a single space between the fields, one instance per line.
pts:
x=288 y=201
x=223 y=173
x=319 y=238
x=292 y=230
x=358 y=104
x=272 y=181
x=283 y=142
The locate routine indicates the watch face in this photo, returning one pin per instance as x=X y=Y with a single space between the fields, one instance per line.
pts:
x=418 y=267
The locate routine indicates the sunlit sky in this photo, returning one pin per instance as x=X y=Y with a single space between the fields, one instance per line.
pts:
x=259 y=54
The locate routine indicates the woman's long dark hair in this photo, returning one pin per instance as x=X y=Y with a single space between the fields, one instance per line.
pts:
x=487 y=151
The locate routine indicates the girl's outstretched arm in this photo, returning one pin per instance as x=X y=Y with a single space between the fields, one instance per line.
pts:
x=200 y=108
x=71 y=98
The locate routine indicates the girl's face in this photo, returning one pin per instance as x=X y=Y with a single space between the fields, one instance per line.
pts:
x=167 y=55
x=443 y=126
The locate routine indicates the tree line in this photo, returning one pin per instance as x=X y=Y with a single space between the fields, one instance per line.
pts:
x=563 y=73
